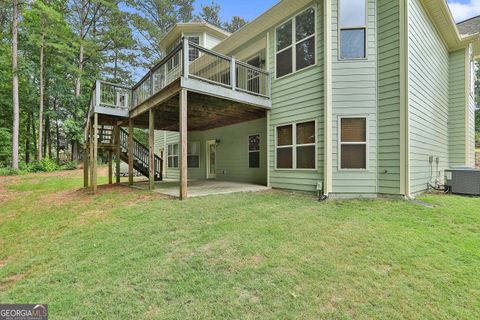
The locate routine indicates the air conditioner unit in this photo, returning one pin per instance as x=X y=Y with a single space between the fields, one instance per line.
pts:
x=463 y=180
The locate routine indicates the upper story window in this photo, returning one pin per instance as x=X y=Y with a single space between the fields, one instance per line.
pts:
x=295 y=43
x=352 y=22
x=193 y=52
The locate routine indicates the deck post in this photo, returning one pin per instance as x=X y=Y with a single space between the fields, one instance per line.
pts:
x=183 y=144
x=233 y=76
x=185 y=58
x=85 y=164
x=95 y=152
x=151 y=149
x=90 y=160
x=117 y=156
x=110 y=167
x=130 y=152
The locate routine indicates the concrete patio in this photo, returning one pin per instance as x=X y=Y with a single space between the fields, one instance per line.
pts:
x=200 y=188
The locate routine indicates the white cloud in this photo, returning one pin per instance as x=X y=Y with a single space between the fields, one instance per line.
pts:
x=462 y=10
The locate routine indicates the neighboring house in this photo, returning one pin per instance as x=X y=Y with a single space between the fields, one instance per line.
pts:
x=362 y=98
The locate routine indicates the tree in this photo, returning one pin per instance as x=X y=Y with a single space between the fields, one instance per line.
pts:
x=211 y=14
x=153 y=19
x=16 y=106
x=234 y=25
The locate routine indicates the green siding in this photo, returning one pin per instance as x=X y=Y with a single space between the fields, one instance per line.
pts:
x=298 y=97
x=471 y=131
x=232 y=152
x=456 y=123
x=354 y=89
x=388 y=97
x=428 y=97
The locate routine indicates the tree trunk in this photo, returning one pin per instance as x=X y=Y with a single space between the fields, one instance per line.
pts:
x=34 y=136
x=115 y=67
x=57 y=132
x=40 y=112
x=16 y=104
x=27 y=140
x=80 y=55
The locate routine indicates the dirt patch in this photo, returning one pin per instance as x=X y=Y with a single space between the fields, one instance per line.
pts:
x=11 y=280
x=3 y=263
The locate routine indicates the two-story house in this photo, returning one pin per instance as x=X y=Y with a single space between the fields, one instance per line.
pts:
x=349 y=97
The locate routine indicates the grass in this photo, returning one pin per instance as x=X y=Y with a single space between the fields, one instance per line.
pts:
x=132 y=254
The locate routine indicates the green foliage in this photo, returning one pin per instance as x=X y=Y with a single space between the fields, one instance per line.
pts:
x=236 y=23
x=5 y=146
x=211 y=14
x=69 y=165
x=8 y=171
x=44 y=165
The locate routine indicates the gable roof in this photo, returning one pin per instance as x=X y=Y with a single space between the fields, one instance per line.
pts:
x=469 y=26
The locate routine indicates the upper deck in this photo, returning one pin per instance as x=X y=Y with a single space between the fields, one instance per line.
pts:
x=209 y=77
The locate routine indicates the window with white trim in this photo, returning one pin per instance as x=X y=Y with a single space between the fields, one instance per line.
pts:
x=254 y=151
x=193 y=53
x=296 y=146
x=353 y=143
x=352 y=23
x=172 y=156
x=193 y=154
x=295 y=43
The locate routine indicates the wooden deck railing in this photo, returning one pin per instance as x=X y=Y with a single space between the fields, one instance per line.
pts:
x=187 y=60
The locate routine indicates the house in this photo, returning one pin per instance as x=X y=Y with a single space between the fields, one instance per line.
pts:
x=351 y=98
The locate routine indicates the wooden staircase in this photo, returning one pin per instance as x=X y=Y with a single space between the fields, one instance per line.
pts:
x=106 y=138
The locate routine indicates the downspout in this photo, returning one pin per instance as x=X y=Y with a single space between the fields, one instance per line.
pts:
x=327 y=76
x=404 y=103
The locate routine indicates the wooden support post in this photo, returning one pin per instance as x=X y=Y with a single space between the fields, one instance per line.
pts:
x=183 y=144
x=85 y=164
x=91 y=156
x=117 y=157
x=95 y=152
x=151 y=149
x=110 y=167
x=130 y=151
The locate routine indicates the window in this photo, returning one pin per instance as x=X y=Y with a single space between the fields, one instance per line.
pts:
x=193 y=53
x=193 y=154
x=353 y=30
x=172 y=158
x=353 y=143
x=295 y=43
x=254 y=151
x=296 y=146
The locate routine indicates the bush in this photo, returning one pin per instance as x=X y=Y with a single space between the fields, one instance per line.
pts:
x=69 y=165
x=8 y=171
x=44 y=165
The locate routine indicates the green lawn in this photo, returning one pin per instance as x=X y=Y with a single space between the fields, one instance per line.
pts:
x=130 y=254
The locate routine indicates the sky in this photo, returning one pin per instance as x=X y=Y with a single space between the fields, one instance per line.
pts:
x=464 y=9
x=250 y=9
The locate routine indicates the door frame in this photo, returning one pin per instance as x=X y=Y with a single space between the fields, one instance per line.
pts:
x=208 y=174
